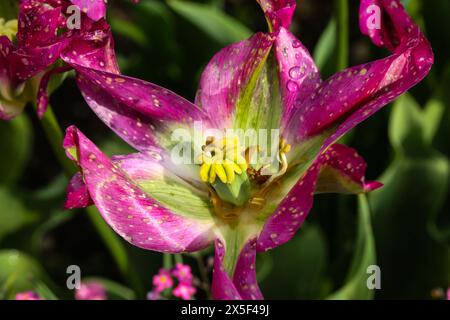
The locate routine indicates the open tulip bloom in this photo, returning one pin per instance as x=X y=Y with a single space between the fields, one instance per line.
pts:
x=233 y=191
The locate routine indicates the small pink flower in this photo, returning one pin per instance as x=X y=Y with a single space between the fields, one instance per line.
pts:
x=162 y=281
x=91 y=291
x=184 y=291
x=183 y=273
x=28 y=295
x=154 y=295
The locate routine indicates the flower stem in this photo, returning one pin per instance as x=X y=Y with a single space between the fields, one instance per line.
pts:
x=341 y=9
x=167 y=261
x=111 y=240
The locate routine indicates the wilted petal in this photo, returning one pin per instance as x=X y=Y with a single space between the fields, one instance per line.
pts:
x=128 y=209
x=278 y=12
x=244 y=284
x=353 y=95
x=340 y=169
x=141 y=113
x=228 y=75
x=94 y=9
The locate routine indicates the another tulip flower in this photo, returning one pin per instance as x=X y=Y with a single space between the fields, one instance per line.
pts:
x=42 y=36
x=232 y=195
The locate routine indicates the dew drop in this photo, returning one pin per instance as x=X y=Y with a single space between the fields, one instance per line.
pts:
x=296 y=43
x=292 y=86
x=295 y=73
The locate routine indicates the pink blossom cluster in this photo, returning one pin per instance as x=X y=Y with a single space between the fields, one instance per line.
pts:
x=164 y=280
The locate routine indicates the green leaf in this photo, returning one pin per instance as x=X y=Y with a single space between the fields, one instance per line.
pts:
x=297 y=268
x=355 y=286
x=18 y=273
x=326 y=46
x=405 y=210
x=412 y=129
x=219 y=26
x=15 y=147
x=13 y=213
x=9 y=9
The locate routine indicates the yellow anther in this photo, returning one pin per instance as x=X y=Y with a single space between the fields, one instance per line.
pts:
x=205 y=171
x=284 y=146
x=220 y=171
x=222 y=160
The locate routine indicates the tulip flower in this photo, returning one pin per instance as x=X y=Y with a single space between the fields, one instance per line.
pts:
x=42 y=36
x=232 y=194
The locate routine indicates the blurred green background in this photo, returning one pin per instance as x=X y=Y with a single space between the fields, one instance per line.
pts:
x=404 y=228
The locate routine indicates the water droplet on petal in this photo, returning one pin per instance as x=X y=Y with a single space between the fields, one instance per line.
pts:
x=296 y=43
x=295 y=73
x=292 y=86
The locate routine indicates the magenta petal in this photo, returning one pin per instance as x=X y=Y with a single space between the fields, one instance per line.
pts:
x=244 y=284
x=29 y=61
x=353 y=95
x=278 y=12
x=299 y=76
x=343 y=171
x=291 y=213
x=132 y=213
x=228 y=72
x=42 y=96
x=77 y=193
x=136 y=110
x=94 y=9
x=93 y=48
x=38 y=25
x=347 y=176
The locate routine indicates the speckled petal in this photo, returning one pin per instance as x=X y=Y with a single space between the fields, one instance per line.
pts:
x=347 y=177
x=93 y=47
x=343 y=171
x=227 y=74
x=353 y=95
x=94 y=9
x=131 y=212
x=77 y=193
x=299 y=76
x=244 y=284
x=141 y=113
x=278 y=12
x=42 y=96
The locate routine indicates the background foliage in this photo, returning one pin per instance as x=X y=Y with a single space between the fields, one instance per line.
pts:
x=404 y=227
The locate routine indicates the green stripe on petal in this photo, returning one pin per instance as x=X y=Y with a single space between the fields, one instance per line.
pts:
x=178 y=198
x=259 y=105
